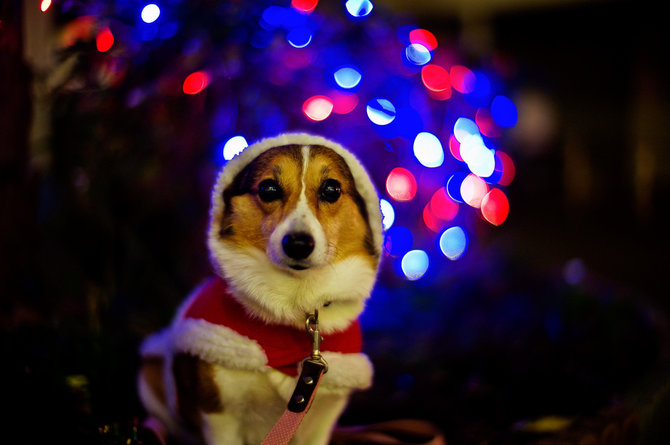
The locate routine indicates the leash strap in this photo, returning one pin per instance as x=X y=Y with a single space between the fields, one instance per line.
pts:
x=301 y=400
x=313 y=368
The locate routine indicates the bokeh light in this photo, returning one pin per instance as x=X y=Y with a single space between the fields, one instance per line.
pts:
x=317 y=108
x=398 y=240
x=196 y=82
x=304 y=6
x=454 y=184
x=463 y=128
x=428 y=150
x=436 y=80
x=453 y=242
x=442 y=206
x=495 y=207
x=479 y=158
x=358 y=8
x=455 y=148
x=487 y=126
x=430 y=220
x=381 y=111
x=299 y=37
x=401 y=184
x=508 y=169
x=415 y=264
x=504 y=111
x=423 y=37
x=44 y=6
x=388 y=214
x=104 y=40
x=347 y=77
x=417 y=54
x=150 y=13
x=234 y=146
x=343 y=103
x=473 y=190
x=462 y=79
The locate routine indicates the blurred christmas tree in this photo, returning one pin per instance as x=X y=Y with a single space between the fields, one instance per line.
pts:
x=162 y=94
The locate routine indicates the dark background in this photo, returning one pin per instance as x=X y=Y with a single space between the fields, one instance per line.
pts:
x=84 y=276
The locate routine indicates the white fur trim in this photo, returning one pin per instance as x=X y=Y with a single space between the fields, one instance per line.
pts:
x=347 y=370
x=217 y=344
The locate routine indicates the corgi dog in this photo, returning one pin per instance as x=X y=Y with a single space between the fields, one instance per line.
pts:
x=295 y=226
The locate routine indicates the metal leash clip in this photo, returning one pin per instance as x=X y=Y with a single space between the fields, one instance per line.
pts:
x=312 y=327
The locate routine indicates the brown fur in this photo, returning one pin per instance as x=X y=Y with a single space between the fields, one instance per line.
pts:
x=152 y=373
x=196 y=390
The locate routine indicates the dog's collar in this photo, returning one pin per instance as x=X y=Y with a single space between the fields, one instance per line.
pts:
x=284 y=346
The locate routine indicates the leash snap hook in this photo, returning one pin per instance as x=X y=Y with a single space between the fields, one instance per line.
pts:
x=312 y=327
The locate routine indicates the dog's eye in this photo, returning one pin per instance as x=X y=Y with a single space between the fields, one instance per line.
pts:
x=269 y=190
x=330 y=190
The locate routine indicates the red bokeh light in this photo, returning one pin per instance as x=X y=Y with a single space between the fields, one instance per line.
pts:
x=305 y=6
x=317 y=108
x=401 y=184
x=462 y=79
x=495 y=207
x=436 y=80
x=196 y=82
x=455 y=147
x=508 y=170
x=343 y=103
x=104 y=40
x=442 y=206
x=423 y=37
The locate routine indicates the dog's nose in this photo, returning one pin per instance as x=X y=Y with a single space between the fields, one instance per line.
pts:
x=298 y=245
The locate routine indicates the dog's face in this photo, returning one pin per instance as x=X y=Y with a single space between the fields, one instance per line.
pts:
x=295 y=225
x=300 y=206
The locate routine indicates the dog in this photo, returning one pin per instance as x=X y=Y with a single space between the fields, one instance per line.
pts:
x=294 y=228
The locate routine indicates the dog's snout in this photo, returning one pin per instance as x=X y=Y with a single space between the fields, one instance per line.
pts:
x=298 y=246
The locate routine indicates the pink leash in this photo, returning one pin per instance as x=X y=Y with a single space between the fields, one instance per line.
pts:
x=313 y=368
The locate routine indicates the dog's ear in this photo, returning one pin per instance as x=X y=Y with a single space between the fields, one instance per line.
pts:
x=240 y=185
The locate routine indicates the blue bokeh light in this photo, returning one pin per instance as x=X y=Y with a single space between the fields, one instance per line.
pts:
x=358 y=8
x=381 y=111
x=504 y=112
x=453 y=242
x=347 y=77
x=388 y=214
x=454 y=186
x=299 y=37
x=417 y=54
x=398 y=240
x=415 y=264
